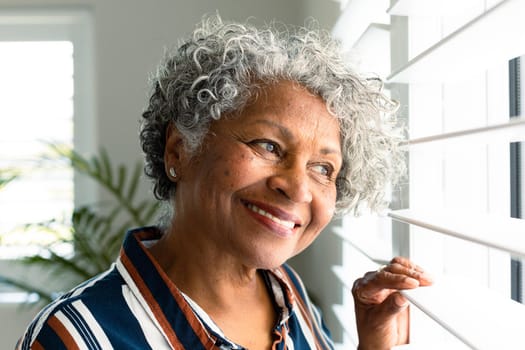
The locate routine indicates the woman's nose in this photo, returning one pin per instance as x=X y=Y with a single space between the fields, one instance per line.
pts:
x=293 y=182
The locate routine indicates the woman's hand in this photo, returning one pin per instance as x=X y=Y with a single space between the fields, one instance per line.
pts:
x=381 y=311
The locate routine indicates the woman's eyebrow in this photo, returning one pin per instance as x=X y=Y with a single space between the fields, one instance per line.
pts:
x=282 y=129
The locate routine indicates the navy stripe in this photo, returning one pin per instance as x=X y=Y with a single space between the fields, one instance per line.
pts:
x=322 y=327
x=162 y=295
x=108 y=306
x=29 y=335
x=26 y=344
x=306 y=301
x=49 y=339
x=295 y=281
x=83 y=329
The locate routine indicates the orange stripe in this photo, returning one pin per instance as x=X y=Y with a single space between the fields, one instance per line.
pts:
x=182 y=303
x=62 y=333
x=172 y=337
x=280 y=337
x=37 y=346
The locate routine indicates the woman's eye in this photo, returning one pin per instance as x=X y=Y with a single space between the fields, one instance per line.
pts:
x=268 y=146
x=323 y=169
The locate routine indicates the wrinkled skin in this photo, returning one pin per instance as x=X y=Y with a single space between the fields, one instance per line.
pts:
x=382 y=313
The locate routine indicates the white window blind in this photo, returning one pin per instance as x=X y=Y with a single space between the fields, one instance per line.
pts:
x=448 y=66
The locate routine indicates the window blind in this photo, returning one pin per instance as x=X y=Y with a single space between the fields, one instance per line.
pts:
x=454 y=126
x=451 y=304
x=473 y=47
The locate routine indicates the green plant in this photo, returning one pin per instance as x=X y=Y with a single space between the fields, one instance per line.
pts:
x=6 y=176
x=96 y=230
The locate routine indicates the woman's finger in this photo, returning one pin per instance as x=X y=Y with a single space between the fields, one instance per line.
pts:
x=401 y=273
x=401 y=265
x=376 y=286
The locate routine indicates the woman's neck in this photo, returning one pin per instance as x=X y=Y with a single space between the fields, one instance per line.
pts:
x=222 y=287
x=204 y=272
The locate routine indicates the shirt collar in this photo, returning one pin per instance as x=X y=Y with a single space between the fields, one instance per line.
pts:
x=158 y=295
x=168 y=305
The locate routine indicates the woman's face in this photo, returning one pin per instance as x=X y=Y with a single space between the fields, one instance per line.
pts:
x=263 y=186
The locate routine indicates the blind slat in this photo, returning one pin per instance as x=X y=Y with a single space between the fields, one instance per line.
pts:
x=430 y=7
x=357 y=16
x=512 y=131
x=372 y=50
x=471 y=48
x=477 y=317
x=503 y=233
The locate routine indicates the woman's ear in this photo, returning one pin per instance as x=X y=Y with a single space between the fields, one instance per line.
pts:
x=174 y=153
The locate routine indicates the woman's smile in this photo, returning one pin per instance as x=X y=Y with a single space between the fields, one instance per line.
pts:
x=282 y=225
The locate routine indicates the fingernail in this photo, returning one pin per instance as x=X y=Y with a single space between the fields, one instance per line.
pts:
x=413 y=282
x=400 y=301
x=426 y=277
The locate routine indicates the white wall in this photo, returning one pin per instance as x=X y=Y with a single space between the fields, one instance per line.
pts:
x=129 y=37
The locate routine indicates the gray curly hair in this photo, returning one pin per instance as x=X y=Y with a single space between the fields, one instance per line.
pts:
x=222 y=65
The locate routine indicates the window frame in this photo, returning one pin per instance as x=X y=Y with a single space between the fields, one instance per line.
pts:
x=72 y=24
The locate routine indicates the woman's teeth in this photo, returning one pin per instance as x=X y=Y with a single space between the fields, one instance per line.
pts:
x=285 y=223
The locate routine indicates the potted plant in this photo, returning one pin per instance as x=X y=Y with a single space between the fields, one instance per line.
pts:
x=95 y=231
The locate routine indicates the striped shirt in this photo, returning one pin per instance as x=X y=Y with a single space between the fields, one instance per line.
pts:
x=134 y=305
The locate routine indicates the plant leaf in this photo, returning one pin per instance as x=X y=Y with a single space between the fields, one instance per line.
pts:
x=44 y=296
x=56 y=262
x=132 y=187
x=121 y=179
x=106 y=167
x=7 y=175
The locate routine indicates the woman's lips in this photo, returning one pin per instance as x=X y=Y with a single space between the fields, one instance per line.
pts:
x=279 y=221
x=286 y=223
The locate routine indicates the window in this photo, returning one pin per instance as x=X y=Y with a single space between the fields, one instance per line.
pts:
x=449 y=67
x=46 y=94
x=37 y=88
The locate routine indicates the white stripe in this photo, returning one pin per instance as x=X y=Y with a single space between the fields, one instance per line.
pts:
x=278 y=294
x=319 y=324
x=72 y=330
x=304 y=327
x=203 y=315
x=151 y=329
x=42 y=318
x=288 y=341
x=93 y=324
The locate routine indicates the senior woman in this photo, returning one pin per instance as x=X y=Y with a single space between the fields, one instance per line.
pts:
x=254 y=138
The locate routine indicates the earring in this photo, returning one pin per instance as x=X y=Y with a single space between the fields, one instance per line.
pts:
x=172 y=172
